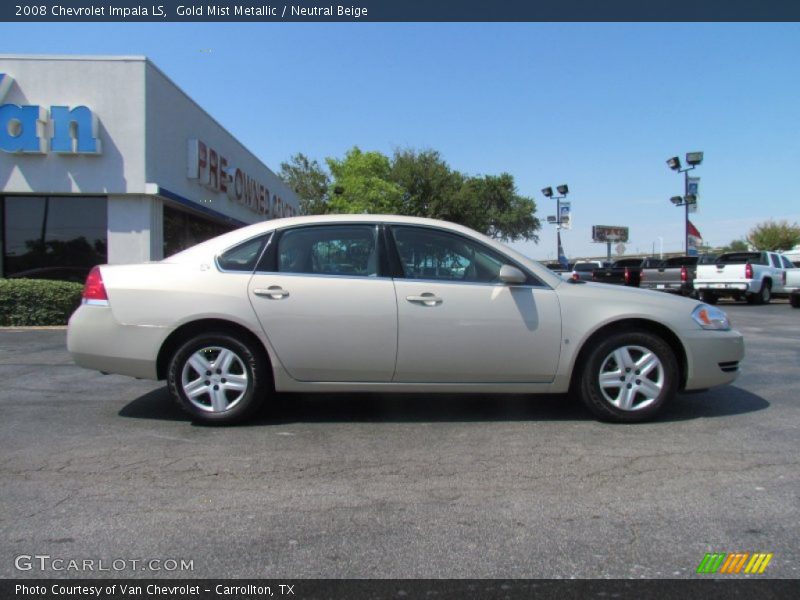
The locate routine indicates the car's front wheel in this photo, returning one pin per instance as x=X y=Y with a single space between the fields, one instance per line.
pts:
x=217 y=378
x=628 y=377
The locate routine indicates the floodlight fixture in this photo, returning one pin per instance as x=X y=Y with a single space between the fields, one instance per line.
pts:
x=691 y=199
x=563 y=189
x=694 y=158
x=674 y=163
x=548 y=192
x=676 y=200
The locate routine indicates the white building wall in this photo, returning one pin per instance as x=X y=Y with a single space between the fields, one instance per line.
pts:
x=113 y=88
x=173 y=119
x=144 y=124
x=135 y=229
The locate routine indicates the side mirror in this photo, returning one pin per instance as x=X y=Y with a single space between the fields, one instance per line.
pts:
x=512 y=275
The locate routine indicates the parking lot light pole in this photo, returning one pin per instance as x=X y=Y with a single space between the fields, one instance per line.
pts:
x=693 y=159
x=562 y=190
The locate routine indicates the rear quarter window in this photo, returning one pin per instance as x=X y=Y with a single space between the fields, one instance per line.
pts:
x=242 y=257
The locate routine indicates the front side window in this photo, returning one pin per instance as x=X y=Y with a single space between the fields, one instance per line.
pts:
x=347 y=250
x=787 y=264
x=430 y=254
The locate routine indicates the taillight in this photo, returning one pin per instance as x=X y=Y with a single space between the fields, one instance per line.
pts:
x=94 y=292
x=641 y=276
x=575 y=276
x=784 y=277
x=627 y=275
x=748 y=271
x=684 y=274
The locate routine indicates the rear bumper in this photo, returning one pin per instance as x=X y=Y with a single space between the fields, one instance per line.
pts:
x=667 y=286
x=727 y=287
x=713 y=357
x=96 y=340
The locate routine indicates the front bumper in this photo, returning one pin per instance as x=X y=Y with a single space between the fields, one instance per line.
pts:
x=96 y=340
x=713 y=357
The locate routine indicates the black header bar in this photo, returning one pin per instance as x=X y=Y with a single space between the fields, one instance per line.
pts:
x=402 y=11
x=396 y=589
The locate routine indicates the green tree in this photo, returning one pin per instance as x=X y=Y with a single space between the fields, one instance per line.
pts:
x=772 y=235
x=736 y=246
x=414 y=183
x=362 y=184
x=491 y=205
x=309 y=181
x=427 y=182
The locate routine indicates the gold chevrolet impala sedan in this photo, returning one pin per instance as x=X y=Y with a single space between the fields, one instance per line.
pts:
x=390 y=304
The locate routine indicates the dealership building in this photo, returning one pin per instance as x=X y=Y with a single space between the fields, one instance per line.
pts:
x=106 y=160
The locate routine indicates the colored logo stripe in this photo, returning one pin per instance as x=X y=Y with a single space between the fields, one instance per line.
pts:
x=758 y=563
x=734 y=563
x=721 y=562
x=711 y=562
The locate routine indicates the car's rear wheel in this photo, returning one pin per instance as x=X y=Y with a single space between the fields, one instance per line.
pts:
x=628 y=377
x=708 y=297
x=763 y=296
x=794 y=300
x=218 y=379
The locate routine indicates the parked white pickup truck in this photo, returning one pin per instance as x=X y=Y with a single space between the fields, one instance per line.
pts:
x=792 y=273
x=754 y=276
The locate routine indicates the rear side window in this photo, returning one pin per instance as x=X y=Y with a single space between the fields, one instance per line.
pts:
x=345 y=250
x=776 y=262
x=585 y=267
x=628 y=262
x=681 y=261
x=242 y=257
x=742 y=257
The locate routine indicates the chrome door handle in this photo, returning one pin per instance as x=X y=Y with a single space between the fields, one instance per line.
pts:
x=275 y=292
x=427 y=299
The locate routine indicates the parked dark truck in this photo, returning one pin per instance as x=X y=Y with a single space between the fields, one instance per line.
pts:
x=625 y=271
x=674 y=274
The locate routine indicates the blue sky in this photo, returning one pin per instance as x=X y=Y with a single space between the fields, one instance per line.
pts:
x=597 y=106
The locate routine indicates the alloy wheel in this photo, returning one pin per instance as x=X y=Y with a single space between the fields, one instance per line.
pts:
x=214 y=379
x=631 y=378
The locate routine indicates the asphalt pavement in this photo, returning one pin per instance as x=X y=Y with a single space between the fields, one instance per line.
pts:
x=104 y=468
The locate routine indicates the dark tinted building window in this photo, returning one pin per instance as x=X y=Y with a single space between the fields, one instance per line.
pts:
x=183 y=230
x=53 y=237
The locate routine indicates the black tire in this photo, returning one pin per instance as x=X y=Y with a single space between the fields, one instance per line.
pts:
x=708 y=297
x=794 y=300
x=599 y=356
x=248 y=367
x=765 y=294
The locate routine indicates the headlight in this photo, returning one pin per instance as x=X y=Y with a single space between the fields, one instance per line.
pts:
x=710 y=317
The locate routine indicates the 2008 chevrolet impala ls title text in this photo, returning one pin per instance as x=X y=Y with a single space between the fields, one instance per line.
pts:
x=390 y=304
